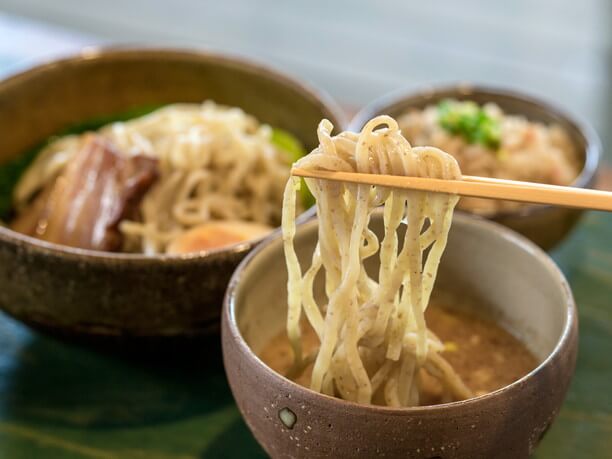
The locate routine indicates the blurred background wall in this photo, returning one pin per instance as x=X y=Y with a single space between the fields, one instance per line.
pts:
x=358 y=50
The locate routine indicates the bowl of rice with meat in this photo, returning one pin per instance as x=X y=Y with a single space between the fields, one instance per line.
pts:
x=501 y=134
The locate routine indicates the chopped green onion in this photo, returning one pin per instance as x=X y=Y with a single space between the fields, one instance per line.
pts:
x=471 y=122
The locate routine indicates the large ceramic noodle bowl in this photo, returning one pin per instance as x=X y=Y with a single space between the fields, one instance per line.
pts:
x=102 y=231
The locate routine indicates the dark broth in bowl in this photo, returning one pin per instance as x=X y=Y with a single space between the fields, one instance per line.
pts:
x=484 y=354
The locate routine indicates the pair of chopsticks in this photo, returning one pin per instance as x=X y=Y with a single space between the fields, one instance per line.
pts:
x=478 y=187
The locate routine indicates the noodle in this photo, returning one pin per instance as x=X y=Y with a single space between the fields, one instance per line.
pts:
x=215 y=163
x=373 y=335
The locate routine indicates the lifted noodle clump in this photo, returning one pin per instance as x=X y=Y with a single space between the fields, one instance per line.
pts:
x=375 y=345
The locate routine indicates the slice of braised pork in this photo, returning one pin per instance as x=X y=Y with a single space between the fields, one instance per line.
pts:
x=84 y=205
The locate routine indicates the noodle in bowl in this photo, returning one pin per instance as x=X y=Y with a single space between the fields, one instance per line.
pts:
x=214 y=163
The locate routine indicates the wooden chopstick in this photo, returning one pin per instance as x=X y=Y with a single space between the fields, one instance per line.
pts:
x=478 y=187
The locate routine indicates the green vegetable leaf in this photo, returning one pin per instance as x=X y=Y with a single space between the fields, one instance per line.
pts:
x=10 y=173
x=288 y=143
x=291 y=145
x=469 y=121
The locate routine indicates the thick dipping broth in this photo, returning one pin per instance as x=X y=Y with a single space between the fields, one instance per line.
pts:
x=485 y=355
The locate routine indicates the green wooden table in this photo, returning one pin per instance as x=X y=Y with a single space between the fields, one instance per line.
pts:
x=63 y=401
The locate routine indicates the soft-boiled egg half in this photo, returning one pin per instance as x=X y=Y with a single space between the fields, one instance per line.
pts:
x=215 y=235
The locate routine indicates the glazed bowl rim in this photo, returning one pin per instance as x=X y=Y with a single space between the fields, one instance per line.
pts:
x=592 y=152
x=126 y=53
x=520 y=243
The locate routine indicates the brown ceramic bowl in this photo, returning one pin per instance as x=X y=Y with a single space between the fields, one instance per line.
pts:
x=545 y=225
x=105 y=294
x=512 y=278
